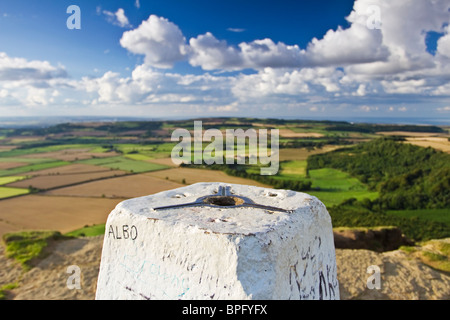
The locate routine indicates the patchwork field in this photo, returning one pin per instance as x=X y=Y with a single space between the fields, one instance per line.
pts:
x=190 y=176
x=288 y=133
x=121 y=187
x=38 y=212
x=407 y=134
x=32 y=167
x=298 y=154
x=163 y=161
x=78 y=173
x=10 y=165
x=92 y=167
x=72 y=154
x=124 y=163
x=6 y=148
x=70 y=169
x=44 y=181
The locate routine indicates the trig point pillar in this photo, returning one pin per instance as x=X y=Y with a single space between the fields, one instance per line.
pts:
x=219 y=241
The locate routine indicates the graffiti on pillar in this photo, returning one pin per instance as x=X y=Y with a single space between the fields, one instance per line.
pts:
x=313 y=266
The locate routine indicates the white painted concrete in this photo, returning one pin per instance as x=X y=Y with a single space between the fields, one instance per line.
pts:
x=219 y=252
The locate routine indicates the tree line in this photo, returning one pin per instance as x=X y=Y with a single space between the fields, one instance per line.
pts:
x=406 y=176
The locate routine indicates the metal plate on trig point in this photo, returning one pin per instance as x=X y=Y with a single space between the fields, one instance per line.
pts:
x=224 y=198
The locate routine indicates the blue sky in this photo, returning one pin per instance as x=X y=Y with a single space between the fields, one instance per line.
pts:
x=323 y=58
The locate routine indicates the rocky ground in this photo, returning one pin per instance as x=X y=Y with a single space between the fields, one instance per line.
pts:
x=403 y=275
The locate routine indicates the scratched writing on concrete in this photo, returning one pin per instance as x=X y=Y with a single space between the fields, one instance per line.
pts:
x=313 y=266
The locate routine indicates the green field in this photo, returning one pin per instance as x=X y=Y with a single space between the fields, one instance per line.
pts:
x=26 y=151
x=137 y=156
x=333 y=186
x=331 y=198
x=328 y=179
x=125 y=164
x=6 y=180
x=134 y=148
x=32 y=167
x=88 y=231
x=438 y=215
x=293 y=169
x=151 y=151
x=6 y=192
x=26 y=160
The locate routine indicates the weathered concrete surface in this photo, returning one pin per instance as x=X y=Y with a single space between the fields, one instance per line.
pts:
x=219 y=252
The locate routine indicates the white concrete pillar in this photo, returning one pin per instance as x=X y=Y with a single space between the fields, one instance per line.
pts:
x=224 y=244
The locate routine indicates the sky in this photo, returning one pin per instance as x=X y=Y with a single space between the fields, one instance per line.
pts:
x=188 y=59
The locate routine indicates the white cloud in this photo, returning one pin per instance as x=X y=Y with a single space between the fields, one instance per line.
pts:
x=158 y=39
x=117 y=18
x=29 y=83
x=361 y=90
x=365 y=108
x=14 y=69
x=404 y=87
x=346 y=47
x=122 y=18
x=307 y=82
x=209 y=53
x=444 y=109
x=403 y=32
x=397 y=49
x=238 y=30
x=443 y=44
x=147 y=85
x=265 y=53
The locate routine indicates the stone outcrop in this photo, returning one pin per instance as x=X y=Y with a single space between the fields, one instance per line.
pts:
x=377 y=239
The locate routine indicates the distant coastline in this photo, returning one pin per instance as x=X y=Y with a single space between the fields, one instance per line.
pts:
x=385 y=120
x=17 y=122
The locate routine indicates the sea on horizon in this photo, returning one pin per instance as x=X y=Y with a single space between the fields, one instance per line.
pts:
x=17 y=122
